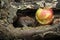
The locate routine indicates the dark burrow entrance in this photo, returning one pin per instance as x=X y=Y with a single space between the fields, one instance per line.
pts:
x=27 y=17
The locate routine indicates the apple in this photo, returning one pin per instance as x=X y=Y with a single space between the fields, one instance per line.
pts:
x=44 y=16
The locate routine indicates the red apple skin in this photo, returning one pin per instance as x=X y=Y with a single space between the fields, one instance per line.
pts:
x=44 y=16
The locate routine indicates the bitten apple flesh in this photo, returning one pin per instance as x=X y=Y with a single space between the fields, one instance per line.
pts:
x=44 y=16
